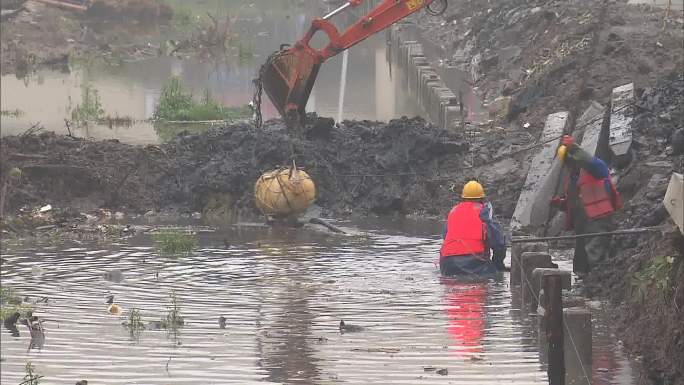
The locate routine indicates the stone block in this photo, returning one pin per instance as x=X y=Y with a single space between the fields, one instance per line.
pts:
x=621 y=116
x=517 y=251
x=674 y=200
x=577 y=340
x=532 y=209
x=591 y=123
x=537 y=279
x=528 y=263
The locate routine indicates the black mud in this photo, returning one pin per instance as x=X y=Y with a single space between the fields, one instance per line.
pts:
x=406 y=166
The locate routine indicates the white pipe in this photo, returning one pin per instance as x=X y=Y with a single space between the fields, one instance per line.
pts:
x=343 y=85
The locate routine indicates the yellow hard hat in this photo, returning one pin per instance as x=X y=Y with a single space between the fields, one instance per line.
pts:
x=473 y=190
x=562 y=151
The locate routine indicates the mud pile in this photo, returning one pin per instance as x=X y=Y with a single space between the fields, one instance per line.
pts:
x=405 y=166
x=651 y=313
x=549 y=56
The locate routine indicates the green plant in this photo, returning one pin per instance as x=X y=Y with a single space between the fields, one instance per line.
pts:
x=174 y=242
x=174 y=319
x=175 y=104
x=656 y=275
x=30 y=378
x=11 y=303
x=90 y=108
x=134 y=322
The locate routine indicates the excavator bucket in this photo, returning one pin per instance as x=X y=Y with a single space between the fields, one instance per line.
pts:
x=288 y=77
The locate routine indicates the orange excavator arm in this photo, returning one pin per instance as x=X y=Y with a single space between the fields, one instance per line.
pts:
x=290 y=73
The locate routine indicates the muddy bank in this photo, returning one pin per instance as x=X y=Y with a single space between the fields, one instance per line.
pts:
x=542 y=56
x=405 y=166
x=645 y=286
x=41 y=35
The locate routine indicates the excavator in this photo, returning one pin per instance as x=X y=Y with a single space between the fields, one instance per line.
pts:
x=290 y=73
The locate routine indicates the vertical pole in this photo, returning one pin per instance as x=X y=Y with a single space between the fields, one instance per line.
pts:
x=343 y=85
x=553 y=286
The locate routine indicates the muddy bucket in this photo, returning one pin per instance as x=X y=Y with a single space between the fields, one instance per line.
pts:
x=288 y=77
x=284 y=192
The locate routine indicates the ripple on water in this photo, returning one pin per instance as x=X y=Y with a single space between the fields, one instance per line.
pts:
x=282 y=301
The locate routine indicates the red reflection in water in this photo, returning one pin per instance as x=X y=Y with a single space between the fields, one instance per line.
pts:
x=465 y=316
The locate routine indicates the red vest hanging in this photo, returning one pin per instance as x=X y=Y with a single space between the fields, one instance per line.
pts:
x=598 y=202
x=465 y=231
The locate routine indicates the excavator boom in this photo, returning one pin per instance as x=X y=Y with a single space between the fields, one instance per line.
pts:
x=290 y=73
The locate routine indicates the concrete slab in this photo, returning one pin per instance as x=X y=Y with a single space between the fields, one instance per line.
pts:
x=528 y=263
x=591 y=123
x=674 y=200
x=577 y=341
x=452 y=115
x=532 y=210
x=517 y=251
x=621 y=116
x=537 y=279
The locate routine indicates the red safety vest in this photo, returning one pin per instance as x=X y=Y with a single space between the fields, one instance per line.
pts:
x=465 y=231
x=597 y=201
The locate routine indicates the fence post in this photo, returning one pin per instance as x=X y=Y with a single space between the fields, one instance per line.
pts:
x=553 y=294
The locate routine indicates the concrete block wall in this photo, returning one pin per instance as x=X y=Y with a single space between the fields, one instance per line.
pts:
x=438 y=101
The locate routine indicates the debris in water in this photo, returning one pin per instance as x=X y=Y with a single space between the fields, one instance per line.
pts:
x=113 y=308
x=377 y=350
x=222 y=322
x=344 y=327
x=442 y=372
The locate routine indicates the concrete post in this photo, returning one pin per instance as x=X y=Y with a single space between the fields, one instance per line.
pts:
x=591 y=123
x=528 y=262
x=538 y=275
x=553 y=316
x=578 y=345
x=621 y=116
x=516 y=252
x=542 y=179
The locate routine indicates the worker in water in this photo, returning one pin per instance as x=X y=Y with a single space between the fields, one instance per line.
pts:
x=471 y=236
x=590 y=200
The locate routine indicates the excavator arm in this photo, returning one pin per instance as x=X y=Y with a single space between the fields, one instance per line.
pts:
x=289 y=74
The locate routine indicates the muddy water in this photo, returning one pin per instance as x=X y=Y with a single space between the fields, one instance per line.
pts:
x=283 y=294
x=132 y=89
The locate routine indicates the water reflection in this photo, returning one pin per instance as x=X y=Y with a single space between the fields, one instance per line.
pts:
x=465 y=309
x=282 y=293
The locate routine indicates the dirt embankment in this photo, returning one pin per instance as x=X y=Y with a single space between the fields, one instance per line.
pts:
x=548 y=56
x=648 y=291
x=44 y=35
x=405 y=166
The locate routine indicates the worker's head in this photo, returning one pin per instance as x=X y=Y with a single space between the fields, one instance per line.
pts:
x=473 y=191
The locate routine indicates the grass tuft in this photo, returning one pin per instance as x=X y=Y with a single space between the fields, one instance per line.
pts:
x=178 y=105
x=11 y=303
x=90 y=108
x=174 y=319
x=174 y=242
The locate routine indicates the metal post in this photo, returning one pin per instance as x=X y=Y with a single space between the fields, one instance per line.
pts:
x=553 y=286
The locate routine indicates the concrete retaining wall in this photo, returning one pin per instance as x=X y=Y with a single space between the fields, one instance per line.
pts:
x=439 y=102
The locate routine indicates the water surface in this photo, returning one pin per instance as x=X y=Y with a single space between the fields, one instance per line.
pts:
x=283 y=293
